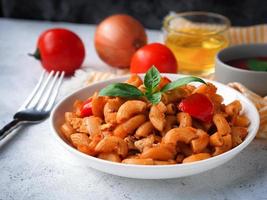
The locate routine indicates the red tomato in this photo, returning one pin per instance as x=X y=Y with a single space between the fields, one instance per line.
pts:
x=153 y=54
x=86 y=109
x=163 y=81
x=198 y=106
x=60 y=50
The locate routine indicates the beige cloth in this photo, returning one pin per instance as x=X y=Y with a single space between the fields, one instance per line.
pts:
x=248 y=35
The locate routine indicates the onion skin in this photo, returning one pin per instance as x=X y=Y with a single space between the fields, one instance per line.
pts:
x=117 y=38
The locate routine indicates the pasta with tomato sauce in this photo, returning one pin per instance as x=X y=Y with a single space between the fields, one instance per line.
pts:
x=187 y=124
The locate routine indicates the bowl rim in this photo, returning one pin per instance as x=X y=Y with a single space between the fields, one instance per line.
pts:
x=219 y=61
x=238 y=148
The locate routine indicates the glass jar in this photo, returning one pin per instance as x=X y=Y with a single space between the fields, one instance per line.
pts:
x=195 y=38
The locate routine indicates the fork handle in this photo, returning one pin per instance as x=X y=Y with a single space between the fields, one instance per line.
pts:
x=9 y=128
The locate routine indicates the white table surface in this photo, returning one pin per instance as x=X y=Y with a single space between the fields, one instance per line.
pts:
x=34 y=166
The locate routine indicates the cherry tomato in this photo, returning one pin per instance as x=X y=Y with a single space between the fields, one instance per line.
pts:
x=198 y=106
x=86 y=109
x=60 y=50
x=153 y=54
x=163 y=81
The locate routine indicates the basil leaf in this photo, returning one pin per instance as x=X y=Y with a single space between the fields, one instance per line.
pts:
x=181 y=82
x=121 y=90
x=152 y=78
x=154 y=98
x=257 y=65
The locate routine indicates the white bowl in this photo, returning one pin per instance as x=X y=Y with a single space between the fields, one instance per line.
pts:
x=152 y=172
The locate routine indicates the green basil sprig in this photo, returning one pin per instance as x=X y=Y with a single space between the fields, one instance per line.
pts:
x=151 y=83
x=154 y=98
x=257 y=65
x=152 y=79
x=180 y=82
x=122 y=90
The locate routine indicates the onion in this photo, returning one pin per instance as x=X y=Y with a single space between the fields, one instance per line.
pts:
x=117 y=38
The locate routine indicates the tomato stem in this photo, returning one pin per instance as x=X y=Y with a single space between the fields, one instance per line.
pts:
x=36 y=54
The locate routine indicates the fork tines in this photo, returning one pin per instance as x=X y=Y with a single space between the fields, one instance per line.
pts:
x=45 y=92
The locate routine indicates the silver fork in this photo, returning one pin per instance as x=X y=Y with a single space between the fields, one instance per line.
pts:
x=38 y=105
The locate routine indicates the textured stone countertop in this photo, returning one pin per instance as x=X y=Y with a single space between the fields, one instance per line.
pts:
x=34 y=166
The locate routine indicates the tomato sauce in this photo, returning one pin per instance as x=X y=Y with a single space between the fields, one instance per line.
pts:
x=254 y=64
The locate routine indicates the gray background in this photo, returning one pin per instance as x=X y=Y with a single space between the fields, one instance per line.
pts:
x=149 y=12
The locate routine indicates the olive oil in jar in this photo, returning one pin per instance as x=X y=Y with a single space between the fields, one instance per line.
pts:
x=195 y=52
x=195 y=38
